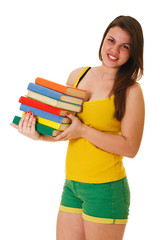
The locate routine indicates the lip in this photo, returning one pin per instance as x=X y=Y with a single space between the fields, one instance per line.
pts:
x=112 y=58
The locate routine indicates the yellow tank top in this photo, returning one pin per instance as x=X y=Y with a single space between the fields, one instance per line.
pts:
x=84 y=161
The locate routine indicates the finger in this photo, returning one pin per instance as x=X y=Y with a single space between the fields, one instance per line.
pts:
x=14 y=125
x=30 y=122
x=33 y=123
x=26 y=119
x=65 y=138
x=21 y=122
x=61 y=136
x=71 y=116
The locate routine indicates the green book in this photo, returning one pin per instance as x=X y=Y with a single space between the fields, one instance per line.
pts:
x=41 y=128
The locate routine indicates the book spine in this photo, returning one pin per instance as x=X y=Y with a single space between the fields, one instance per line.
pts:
x=42 y=106
x=44 y=91
x=54 y=102
x=39 y=127
x=50 y=123
x=60 y=88
x=53 y=94
x=42 y=114
x=50 y=84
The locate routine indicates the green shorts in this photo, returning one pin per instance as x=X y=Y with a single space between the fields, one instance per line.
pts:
x=100 y=203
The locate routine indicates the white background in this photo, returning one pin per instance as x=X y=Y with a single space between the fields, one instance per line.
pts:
x=49 y=39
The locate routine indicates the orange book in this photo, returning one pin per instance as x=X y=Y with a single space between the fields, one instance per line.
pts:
x=74 y=92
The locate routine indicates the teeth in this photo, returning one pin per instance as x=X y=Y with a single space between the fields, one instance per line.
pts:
x=112 y=57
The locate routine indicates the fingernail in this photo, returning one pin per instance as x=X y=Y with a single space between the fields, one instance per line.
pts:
x=67 y=114
x=28 y=111
x=25 y=112
x=31 y=113
x=34 y=117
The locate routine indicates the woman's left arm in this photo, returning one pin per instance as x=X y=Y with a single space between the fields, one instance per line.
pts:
x=128 y=143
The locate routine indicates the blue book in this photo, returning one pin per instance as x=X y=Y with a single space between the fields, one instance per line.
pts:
x=54 y=94
x=39 y=113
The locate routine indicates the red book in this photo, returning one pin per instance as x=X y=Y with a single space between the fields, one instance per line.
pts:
x=42 y=106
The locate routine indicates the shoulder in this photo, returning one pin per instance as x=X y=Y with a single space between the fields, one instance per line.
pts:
x=135 y=100
x=74 y=75
x=134 y=92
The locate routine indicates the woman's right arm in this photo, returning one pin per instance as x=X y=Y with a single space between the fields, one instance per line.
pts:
x=27 y=128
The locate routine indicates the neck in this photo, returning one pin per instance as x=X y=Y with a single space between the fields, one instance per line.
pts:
x=108 y=72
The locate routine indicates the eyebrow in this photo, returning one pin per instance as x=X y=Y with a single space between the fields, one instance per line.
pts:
x=122 y=43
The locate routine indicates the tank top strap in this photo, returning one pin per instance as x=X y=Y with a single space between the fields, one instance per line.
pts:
x=82 y=74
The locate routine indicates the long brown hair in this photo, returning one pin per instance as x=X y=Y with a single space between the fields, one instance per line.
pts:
x=132 y=70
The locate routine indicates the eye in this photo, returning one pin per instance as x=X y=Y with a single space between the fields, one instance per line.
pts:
x=111 y=40
x=125 y=47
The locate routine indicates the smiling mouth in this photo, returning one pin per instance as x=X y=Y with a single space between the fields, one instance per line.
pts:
x=112 y=57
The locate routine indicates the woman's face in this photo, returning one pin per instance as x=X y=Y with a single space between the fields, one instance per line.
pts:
x=116 y=48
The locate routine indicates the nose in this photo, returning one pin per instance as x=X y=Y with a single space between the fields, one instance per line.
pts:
x=115 y=49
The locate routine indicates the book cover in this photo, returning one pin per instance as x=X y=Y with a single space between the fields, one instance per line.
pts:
x=43 y=114
x=42 y=106
x=52 y=124
x=75 y=92
x=53 y=94
x=54 y=102
x=40 y=128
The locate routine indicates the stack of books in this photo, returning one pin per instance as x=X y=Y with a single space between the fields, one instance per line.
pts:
x=49 y=102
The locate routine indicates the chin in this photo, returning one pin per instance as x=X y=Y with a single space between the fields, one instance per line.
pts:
x=111 y=65
x=115 y=64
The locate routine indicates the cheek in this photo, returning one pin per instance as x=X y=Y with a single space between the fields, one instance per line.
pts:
x=105 y=47
x=125 y=55
x=102 y=50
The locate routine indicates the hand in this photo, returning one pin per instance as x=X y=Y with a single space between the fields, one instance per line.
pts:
x=75 y=130
x=27 y=126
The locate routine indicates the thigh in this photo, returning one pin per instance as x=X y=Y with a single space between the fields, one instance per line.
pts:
x=70 y=226
x=99 y=231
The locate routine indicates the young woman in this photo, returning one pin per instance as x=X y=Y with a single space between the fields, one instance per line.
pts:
x=96 y=198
